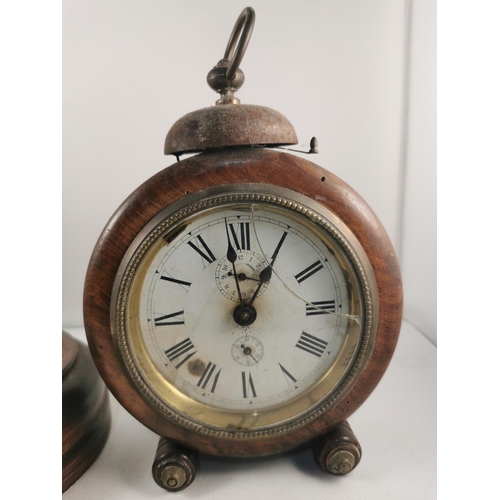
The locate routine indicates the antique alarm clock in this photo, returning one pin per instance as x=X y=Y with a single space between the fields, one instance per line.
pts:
x=243 y=301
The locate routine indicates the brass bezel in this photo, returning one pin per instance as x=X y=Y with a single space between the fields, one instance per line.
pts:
x=330 y=389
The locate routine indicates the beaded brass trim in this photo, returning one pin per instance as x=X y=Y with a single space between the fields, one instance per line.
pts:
x=367 y=286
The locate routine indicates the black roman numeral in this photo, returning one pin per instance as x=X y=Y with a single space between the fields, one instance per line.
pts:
x=207 y=375
x=174 y=280
x=311 y=344
x=178 y=350
x=160 y=320
x=242 y=241
x=309 y=271
x=247 y=385
x=322 y=307
x=208 y=256
x=287 y=373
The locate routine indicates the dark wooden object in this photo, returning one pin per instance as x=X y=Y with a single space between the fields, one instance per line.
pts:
x=219 y=168
x=337 y=452
x=174 y=466
x=86 y=416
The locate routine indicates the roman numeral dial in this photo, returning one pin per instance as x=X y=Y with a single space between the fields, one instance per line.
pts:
x=175 y=280
x=248 y=385
x=199 y=246
x=309 y=271
x=241 y=235
x=183 y=350
x=311 y=344
x=162 y=320
x=321 y=307
x=287 y=374
x=240 y=313
x=209 y=377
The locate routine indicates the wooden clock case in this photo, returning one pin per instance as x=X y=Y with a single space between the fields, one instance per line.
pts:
x=237 y=165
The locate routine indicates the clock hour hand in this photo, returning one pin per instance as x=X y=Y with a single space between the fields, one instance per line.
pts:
x=266 y=273
x=264 y=277
x=231 y=257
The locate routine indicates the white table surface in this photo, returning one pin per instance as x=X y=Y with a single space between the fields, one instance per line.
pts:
x=396 y=427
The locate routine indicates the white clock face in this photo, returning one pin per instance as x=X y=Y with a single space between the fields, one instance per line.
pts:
x=243 y=309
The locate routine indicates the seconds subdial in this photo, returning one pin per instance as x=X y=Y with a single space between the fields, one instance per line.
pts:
x=247 y=350
x=248 y=267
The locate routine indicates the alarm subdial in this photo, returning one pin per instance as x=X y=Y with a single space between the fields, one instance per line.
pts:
x=247 y=350
x=248 y=266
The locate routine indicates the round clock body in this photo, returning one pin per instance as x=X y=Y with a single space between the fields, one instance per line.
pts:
x=243 y=302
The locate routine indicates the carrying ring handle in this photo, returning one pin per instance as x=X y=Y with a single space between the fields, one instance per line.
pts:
x=241 y=34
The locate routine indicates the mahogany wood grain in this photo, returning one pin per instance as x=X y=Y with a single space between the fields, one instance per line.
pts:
x=337 y=452
x=85 y=411
x=212 y=169
x=176 y=462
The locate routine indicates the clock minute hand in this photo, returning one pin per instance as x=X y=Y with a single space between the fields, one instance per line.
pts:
x=231 y=257
x=266 y=273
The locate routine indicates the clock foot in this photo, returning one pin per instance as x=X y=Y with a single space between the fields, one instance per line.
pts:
x=174 y=466
x=337 y=452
